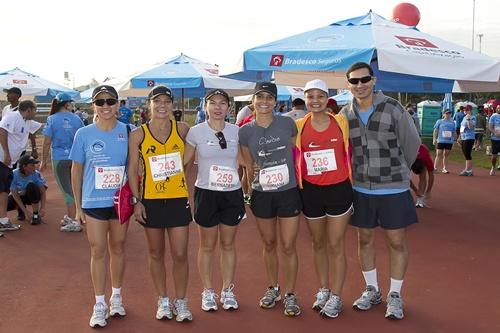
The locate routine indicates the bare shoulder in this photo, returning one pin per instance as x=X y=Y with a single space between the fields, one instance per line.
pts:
x=137 y=134
x=183 y=128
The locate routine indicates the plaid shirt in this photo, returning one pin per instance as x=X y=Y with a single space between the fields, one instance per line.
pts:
x=385 y=148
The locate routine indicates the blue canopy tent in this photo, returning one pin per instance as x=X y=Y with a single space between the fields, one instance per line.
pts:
x=187 y=77
x=403 y=58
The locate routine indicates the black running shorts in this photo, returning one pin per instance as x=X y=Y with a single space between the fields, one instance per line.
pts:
x=212 y=208
x=267 y=205
x=167 y=213
x=330 y=200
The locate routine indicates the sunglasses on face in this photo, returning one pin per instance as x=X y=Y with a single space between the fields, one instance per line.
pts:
x=108 y=101
x=222 y=140
x=356 y=80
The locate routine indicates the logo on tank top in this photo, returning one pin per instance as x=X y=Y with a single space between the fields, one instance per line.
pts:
x=97 y=146
x=175 y=147
x=151 y=149
x=121 y=137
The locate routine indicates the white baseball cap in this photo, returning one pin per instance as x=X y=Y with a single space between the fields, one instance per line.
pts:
x=316 y=84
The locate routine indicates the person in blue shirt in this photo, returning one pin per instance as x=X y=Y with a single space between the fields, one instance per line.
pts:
x=494 y=127
x=443 y=137
x=200 y=115
x=467 y=138
x=124 y=113
x=457 y=118
x=27 y=188
x=99 y=156
x=59 y=132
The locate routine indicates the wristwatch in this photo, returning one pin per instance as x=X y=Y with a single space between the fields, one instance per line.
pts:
x=134 y=200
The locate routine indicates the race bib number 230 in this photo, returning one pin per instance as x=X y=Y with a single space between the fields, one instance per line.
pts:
x=274 y=177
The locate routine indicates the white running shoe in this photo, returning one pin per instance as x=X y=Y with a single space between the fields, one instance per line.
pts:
x=228 y=298
x=181 y=310
x=164 y=309
x=492 y=171
x=208 y=302
x=99 y=315
x=9 y=226
x=445 y=170
x=321 y=298
x=420 y=202
x=116 y=306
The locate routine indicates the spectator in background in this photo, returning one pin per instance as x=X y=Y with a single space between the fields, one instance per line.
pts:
x=457 y=118
x=414 y=115
x=244 y=112
x=15 y=128
x=424 y=168
x=298 y=109
x=332 y=106
x=27 y=189
x=443 y=137
x=13 y=96
x=59 y=133
x=282 y=109
x=177 y=115
x=494 y=127
x=480 y=128
x=200 y=115
x=124 y=113
x=137 y=117
x=467 y=138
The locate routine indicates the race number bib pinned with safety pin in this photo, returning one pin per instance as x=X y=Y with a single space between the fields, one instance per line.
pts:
x=164 y=166
x=108 y=177
x=446 y=134
x=222 y=178
x=320 y=161
x=274 y=177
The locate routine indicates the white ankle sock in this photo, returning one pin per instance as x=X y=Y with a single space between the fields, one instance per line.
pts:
x=116 y=291
x=396 y=285
x=100 y=299
x=371 y=278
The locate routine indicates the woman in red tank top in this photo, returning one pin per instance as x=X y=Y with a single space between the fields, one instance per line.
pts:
x=323 y=173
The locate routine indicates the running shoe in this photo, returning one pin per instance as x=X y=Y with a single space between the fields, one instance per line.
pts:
x=9 y=226
x=321 y=298
x=228 y=298
x=20 y=215
x=332 y=307
x=466 y=173
x=420 y=202
x=71 y=227
x=292 y=307
x=1 y=234
x=270 y=298
x=164 y=309
x=445 y=171
x=181 y=310
x=99 y=315
x=65 y=220
x=394 y=306
x=208 y=302
x=116 y=305
x=492 y=171
x=36 y=219
x=369 y=297
x=498 y=167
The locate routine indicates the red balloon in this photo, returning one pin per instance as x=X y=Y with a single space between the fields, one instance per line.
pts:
x=406 y=13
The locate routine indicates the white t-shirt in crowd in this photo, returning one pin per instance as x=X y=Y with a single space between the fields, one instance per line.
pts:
x=8 y=109
x=18 y=130
x=217 y=167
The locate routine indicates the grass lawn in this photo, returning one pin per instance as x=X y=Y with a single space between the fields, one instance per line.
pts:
x=479 y=158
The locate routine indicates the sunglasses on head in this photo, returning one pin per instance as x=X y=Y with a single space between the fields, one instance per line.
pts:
x=109 y=101
x=222 y=140
x=356 y=80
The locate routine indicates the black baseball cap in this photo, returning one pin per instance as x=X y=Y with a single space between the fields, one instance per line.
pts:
x=160 y=90
x=267 y=87
x=14 y=90
x=27 y=159
x=104 y=89
x=214 y=92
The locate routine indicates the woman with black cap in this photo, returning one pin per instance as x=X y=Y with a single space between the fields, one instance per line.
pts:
x=218 y=198
x=59 y=133
x=266 y=145
x=161 y=201
x=99 y=155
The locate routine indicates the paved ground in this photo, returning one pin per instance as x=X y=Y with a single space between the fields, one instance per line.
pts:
x=451 y=284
